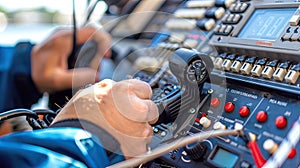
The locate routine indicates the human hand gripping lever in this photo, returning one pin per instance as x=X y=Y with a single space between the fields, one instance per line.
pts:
x=123 y=109
x=192 y=70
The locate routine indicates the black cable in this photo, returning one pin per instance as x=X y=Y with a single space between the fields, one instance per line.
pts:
x=44 y=112
x=16 y=113
x=89 y=12
x=74 y=30
x=31 y=116
x=48 y=117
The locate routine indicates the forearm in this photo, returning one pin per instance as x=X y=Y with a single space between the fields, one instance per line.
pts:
x=16 y=81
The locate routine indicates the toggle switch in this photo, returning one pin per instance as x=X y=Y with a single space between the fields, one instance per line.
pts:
x=294 y=20
x=237 y=7
x=238 y=126
x=206 y=24
x=279 y=74
x=228 y=62
x=219 y=61
x=243 y=7
x=247 y=66
x=293 y=74
x=215 y=12
x=236 y=18
x=281 y=71
x=270 y=146
x=224 y=3
x=230 y=18
x=269 y=69
x=219 y=126
x=256 y=70
x=291 y=77
x=205 y=122
x=236 y=66
x=258 y=67
x=267 y=72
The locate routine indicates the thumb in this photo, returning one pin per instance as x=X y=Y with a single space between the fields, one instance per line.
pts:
x=74 y=78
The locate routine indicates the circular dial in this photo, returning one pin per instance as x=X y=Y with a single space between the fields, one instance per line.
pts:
x=196 y=72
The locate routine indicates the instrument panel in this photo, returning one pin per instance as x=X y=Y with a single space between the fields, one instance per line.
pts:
x=253 y=82
x=261 y=46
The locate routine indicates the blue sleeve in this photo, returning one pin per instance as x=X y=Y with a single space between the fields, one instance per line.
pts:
x=52 y=147
x=16 y=85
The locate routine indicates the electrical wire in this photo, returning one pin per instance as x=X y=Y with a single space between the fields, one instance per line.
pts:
x=180 y=142
x=74 y=29
x=44 y=112
x=256 y=154
x=16 y=113
x=32 y=116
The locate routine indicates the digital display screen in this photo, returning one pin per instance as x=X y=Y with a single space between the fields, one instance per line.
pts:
x=224 y=158
x=266 y=24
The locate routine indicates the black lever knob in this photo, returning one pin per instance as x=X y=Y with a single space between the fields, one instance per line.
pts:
x=190 y=67
x=196 y=150
x=191 y=70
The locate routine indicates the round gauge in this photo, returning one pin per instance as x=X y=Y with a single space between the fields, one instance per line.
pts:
x=196 y=71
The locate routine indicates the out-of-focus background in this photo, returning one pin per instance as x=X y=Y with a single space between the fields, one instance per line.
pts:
x=34 y=19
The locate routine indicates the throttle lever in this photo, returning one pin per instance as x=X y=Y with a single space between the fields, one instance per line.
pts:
x=192 y=71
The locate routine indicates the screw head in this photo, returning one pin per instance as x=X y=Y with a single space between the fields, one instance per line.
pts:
x=192 y=110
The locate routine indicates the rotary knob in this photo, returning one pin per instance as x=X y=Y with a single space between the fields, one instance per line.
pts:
x=196 y=71
x=196 y=150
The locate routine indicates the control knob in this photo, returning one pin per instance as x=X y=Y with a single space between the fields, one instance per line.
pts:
x=196 y=150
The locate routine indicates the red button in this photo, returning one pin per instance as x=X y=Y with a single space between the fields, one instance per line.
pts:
x=244 y=111
x=292 y=153
x=229 y=107
x=261 y=116
x=280 y=122
x=215 y=102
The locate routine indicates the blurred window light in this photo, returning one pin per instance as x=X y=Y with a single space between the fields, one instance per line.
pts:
x=35 y=19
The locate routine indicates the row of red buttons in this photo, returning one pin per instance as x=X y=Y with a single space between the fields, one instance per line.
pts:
x=244 y=111
x=229 y=107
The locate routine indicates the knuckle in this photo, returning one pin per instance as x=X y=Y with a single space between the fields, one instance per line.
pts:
x=105 y=83
x=145 y=108
x=145 y=131
x=130 y=87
